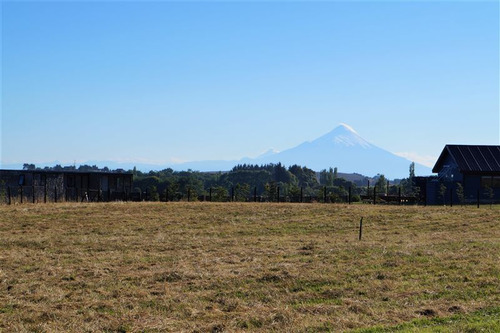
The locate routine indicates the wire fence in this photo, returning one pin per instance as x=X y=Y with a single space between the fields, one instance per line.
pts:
x=45 y=194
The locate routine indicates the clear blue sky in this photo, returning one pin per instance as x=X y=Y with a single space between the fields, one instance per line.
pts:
x=170 y=81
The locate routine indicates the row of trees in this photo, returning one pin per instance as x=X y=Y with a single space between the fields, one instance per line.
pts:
x=268 y=182
x=58 y=167
x=244 y=181
x=450 y=188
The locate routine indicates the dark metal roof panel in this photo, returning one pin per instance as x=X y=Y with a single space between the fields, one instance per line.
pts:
x=481 y=162
x=494 y=156
x=471 y=158
x=66 y=172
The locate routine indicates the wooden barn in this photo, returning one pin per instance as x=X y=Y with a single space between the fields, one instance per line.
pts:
x=469 y=169
x=51 y=185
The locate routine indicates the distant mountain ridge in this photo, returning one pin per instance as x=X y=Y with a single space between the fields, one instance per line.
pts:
x=342 y=148
x=345 y=149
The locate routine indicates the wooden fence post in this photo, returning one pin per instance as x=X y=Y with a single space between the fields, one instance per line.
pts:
x=8 y=194
x=399 y=195
x=477 y=198
x=45 y=193
x=451 y=197
x=189 y=194
x=374 y=195
x=55 y=193
x=368 y=190
x=33 y=193
x=301 y=194
x=255 y=194
x=360 y=228
x=278 y=194
x=22 y=194
x=324 y=194
x=349 y=195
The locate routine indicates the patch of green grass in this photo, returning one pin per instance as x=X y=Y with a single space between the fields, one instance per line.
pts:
x=484 y=320
x=8 y=308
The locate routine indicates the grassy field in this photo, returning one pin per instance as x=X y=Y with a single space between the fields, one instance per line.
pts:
x=207 y=267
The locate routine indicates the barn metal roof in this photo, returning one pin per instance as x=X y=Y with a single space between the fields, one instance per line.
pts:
x=471 y=158
x=6 y=171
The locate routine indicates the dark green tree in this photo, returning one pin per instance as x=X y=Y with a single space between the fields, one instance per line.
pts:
x=306 y=177
x=407 y=184
x=271 y=191
x=326 y=177
x=381 y=184
x=220 y=194
x=3 y=195
x=153 y=193
x=460 y=193
x=241 y=192
x=27 y=166
x=490 y=193
x=442 y=192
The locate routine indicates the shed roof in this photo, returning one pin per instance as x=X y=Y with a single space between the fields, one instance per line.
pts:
x=471 y=158
x=100 y=172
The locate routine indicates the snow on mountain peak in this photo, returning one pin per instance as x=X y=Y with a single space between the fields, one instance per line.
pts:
x=269 y=152
x=344 y=135
x=347 y=127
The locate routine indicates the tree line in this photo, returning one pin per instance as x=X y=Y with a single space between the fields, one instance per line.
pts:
x=270 y=182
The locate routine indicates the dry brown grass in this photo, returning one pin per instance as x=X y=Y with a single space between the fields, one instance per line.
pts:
x=233 y=267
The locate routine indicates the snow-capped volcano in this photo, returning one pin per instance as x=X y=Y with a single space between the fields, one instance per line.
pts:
x=345 y=149
x=343 y=135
